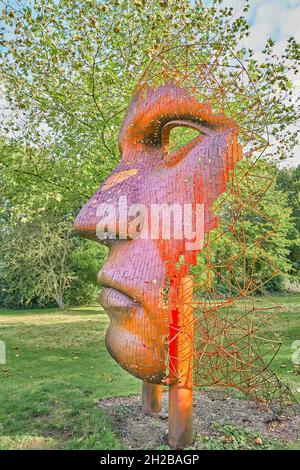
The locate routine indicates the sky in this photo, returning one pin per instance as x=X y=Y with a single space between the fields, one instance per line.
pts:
x=278 y=19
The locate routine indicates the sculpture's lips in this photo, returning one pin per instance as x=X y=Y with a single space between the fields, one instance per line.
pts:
x=111 y=298
x=133 y=339
x=114 y=293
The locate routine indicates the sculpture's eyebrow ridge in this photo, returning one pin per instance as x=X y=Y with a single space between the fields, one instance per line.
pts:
x=150 y=112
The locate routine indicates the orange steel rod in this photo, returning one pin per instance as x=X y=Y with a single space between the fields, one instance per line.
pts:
x=151 y=398
x=181 y=369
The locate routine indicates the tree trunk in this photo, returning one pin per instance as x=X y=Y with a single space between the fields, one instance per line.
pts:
x=60 y=302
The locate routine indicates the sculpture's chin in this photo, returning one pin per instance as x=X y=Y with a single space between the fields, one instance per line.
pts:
x=144 y=359
x=136 y=336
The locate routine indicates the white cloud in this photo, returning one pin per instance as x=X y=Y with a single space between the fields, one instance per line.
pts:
x=276 y=19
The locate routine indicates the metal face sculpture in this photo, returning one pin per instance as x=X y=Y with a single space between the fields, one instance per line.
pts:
x=149 y=176
x=156 y=213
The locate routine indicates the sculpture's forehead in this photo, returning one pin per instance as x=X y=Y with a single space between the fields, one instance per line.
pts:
x=151 y=109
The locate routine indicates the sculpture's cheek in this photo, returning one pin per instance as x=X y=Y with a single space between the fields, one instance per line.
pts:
x=138 y=346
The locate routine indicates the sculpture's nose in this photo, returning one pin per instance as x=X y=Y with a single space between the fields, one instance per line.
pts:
x=104 y=216
x=86 y=221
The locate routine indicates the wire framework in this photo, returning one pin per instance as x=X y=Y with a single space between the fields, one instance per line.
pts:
x=186 y=314
x=224 y=331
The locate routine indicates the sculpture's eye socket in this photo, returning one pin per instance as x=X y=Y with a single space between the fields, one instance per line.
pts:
x=180 y=136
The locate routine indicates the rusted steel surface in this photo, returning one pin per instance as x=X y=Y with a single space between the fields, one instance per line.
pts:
x=181 y=350
x=137 y=270
x=151 y=398
x=147 y=286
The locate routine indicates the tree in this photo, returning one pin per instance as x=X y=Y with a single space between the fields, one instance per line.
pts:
x=42 y=261
x=37 y=237
x=68 y=69
x=35 y=262
x=249 y=251
x=289 y=182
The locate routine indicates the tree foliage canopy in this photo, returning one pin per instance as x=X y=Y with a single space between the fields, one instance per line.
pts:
x=68 y=69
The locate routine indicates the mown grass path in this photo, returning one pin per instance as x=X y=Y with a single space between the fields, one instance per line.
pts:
x=58 y=368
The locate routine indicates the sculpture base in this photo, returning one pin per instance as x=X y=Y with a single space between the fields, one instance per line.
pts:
x=180 y=416
x=151 y=398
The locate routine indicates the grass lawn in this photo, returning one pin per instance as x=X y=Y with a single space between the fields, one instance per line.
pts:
x=58 y=368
